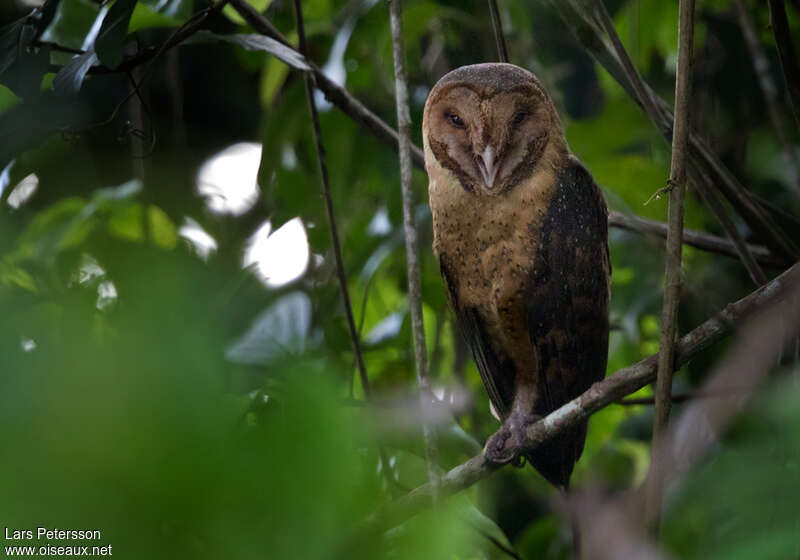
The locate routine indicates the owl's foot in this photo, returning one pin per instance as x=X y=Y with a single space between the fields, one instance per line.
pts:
x=505 y=445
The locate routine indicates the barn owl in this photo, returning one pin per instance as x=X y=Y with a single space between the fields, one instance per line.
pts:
x=521 y=234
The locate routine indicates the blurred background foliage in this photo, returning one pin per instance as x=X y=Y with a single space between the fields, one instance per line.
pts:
x=175 y=368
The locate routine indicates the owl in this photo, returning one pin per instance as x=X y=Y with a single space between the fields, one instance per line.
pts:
x=520 y=230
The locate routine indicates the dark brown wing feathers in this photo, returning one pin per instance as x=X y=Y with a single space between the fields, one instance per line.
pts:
x=567 y=308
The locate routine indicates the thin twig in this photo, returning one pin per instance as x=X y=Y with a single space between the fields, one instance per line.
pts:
x=610 y=390
x=703 y=185
x=410 y=231
x=770 y=91
x=672 y=273
x=337 y=250
x=499 y=39
x=697 y=239
x=783 y=38
x=326 y=192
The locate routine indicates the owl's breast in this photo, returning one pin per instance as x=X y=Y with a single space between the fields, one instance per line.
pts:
x=489 y=244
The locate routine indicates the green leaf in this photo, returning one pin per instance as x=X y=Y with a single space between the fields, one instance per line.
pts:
x=253 y=42
x=145 y=16
x=69 y=79
x=7 y=99
x=233 y=15
x=110 y=43
x=272 y=78
x=126 y=222
x=162 y=229
x=72 y=22
x=10 y=44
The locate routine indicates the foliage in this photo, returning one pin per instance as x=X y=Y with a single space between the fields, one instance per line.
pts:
x=174 y=402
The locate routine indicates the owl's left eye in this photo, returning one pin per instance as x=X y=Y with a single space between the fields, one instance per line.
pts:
x=455 y=120
x=519 y=118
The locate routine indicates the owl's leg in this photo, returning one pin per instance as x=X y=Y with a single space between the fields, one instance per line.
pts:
x=505 y=445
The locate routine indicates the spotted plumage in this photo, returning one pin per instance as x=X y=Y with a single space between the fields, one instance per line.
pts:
x=520 y=231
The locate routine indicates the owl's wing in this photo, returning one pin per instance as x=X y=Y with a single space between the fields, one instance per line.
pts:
x=496 y=374
x=567 y=309
x=567 y=298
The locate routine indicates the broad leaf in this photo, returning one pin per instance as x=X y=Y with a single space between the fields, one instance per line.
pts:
x=110 y=43
x=70 y=78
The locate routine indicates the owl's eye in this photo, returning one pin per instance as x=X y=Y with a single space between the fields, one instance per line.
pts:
x=455 y=120
x=519 y=118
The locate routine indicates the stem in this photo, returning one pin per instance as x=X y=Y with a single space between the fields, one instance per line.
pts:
x=326 y=192
x=410 y=231
x=500 y=41
x=337 y=250
x=783 y=38
x=672 y=273
x=770 y=91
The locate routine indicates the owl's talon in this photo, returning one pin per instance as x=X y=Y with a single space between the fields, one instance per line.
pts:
x=496 y=449
x=505 y=445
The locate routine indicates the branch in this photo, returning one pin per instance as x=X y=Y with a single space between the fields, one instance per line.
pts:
x=500 y=41
x=770 y=91
x=600 y=395
x=788 y=58
x=697 y=239
x=704 y=187
x=672 y=274
x=410 y=232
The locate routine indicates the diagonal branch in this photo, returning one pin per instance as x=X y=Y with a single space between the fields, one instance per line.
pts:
x=769 y=90
x=600 y=395
x=672 y=274
x=410 y=234
x=789 y=65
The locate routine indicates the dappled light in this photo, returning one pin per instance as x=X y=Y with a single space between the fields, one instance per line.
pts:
x=278 y=257
x=227 y=181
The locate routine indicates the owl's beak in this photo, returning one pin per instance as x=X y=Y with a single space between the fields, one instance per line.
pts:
x=488 y=165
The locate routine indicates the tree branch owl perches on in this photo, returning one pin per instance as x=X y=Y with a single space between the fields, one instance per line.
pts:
x=521 y=234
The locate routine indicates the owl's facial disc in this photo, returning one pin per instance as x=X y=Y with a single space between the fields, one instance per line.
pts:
x=491 y=142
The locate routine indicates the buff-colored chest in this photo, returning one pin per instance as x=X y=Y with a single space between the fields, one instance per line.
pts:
x=489 y=244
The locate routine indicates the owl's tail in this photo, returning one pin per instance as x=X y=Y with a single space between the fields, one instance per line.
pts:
x=555 y=460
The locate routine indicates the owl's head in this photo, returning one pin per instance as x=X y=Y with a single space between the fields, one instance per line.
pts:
x=491 y=125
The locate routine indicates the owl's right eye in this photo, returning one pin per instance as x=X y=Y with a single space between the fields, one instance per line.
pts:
x=455 y=120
